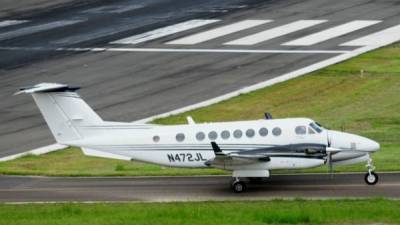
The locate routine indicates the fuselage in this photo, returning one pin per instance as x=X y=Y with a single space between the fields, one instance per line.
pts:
x=189 y=145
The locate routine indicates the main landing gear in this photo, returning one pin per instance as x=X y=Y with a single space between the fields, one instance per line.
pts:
x=238 y=186
x=371 y=177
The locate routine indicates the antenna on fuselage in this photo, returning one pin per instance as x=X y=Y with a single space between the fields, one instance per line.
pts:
x=190 y=120
x=267 y=116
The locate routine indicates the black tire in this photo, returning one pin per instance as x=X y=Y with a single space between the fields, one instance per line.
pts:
x=371 y=179
x=257 y=180
x=239 y=186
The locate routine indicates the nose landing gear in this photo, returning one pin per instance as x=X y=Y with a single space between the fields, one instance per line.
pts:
x=371 y=177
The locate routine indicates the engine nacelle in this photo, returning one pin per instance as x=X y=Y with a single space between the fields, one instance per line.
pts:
x=293 y=163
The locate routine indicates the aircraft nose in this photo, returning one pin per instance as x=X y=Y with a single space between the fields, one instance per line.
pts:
x=371 y=146
x=349 y=141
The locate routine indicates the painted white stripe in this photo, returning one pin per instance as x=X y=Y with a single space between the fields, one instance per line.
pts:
x=12 y=22
x=224 y=50
x=218 y=32
x=221 y=50
x=114 y=8
x=275 y=32
x=379 y=38
x=178 y=50
x=36 y=28
x=164 y=31
x=37 y=151
x=332 y=32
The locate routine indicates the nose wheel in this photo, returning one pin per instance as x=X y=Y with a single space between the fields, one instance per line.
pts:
x=371 y=177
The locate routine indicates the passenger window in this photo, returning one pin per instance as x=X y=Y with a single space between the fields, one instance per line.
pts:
x=250 y=133
x=276 y=131
x=200 y=136
x=156 y=138
x=300 y=130
x=263 y=132
x=212 y=135
x=237 y=133
x=180 y=137
x=225 y=134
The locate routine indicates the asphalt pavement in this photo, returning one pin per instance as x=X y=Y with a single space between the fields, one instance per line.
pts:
x=203 y=188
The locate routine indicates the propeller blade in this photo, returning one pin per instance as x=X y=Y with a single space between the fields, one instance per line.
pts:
x=330 y=164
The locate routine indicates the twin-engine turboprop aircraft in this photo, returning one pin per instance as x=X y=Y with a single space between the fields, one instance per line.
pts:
x=250 y=149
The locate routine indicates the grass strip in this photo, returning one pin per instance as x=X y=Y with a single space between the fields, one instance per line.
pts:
x=369 y=211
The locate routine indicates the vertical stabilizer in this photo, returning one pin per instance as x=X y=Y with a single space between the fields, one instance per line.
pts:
x=63 y=109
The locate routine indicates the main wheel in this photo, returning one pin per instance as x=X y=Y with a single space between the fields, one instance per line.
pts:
x=238 y=186
x=371 y=178
x=257 y=180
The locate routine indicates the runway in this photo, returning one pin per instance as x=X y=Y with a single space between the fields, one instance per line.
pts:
x=159 y=55
x=203 y=188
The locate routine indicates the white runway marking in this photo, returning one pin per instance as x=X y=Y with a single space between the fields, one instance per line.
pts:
x=164 y=31
x=224 y=50
x=218 y=32
x=193 y=50
x=332 y=32
x=7 y=23
x=36 y=28
x=114 y=9
x=275 y=32
x=379 y=38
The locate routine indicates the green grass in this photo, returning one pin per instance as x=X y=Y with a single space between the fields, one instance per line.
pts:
x=372 y=211
x=338 y=96
x=72 y=162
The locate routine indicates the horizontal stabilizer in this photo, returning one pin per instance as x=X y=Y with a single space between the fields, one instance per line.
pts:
x=46 y=87
x=103 y=154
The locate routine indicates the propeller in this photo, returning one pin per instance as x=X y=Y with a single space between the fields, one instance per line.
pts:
x=329 y=159
x=330 y=163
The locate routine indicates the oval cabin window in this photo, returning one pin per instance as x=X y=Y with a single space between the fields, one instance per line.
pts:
x=250 y=133
x=276 y=131
x=263 y=132
x=212 y=135
x=156 y=138
x=200 y=136
x=225 y=134
x=237 y=134
x=180 y=137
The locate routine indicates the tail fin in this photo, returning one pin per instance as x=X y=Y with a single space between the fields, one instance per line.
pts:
x=63 y=110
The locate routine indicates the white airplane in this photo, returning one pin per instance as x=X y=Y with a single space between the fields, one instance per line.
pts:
x=250 y=149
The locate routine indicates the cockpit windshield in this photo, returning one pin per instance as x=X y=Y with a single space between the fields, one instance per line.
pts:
x=320 y=126
x=316 y=126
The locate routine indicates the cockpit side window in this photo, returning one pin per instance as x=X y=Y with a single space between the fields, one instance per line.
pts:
x=300 y=130
x=310 y=131
x=316 y=127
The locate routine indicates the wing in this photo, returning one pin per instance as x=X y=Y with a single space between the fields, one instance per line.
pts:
x=225 y=160
x=222 y=159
